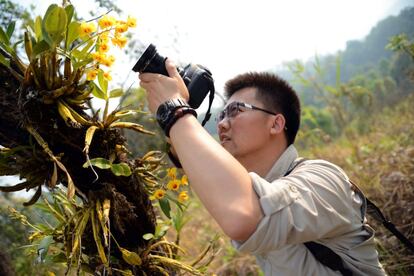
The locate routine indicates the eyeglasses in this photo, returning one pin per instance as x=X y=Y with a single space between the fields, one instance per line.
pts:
x=234 y=108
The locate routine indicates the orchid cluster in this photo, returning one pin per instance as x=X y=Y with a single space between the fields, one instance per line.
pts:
x=108 y=29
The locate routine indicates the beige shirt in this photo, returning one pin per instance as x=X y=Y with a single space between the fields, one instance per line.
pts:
x=314 y=202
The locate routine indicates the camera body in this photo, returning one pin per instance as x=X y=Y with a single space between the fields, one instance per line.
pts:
x=197 y=78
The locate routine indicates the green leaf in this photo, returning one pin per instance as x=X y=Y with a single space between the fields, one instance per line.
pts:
x=124 y=113
x=7 y=48
x=3 y=37
x=97 y=92
x=39 y=48
x=38 y=28
x=118 y=92
x=59 y=258
x=4 y=61
x=82 y=56
x=87 y=47
x=99 y=162
x=178 y=220
x=79 y=63
x=130 y=257
x=121 y=169
x=73 y=32
x=147 y=236
x=165 y=207
x=10 y=29
x=54 y=24
x=70 y=10
x=32 y=35
x=161 y=230
x=103 y=83
x=44 y=247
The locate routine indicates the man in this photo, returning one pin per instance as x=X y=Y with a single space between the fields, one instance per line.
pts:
x=266 y=200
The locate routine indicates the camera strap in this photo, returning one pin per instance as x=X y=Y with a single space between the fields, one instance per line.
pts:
x=210 y=99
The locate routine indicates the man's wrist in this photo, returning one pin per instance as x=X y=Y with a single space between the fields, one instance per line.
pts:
x=170 y=111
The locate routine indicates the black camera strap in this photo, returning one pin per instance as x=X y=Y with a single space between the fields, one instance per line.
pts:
x=210 y=99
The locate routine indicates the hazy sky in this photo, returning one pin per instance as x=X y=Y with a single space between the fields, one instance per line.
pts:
x=231 y=37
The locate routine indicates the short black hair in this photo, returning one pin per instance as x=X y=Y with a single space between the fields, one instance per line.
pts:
x=275 y=94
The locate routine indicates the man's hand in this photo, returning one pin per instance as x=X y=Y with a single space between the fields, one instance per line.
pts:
x=161 y=88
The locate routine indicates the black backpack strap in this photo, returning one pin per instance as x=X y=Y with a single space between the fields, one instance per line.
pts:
x=297 y=162
x=327 y=257
x=376 y=213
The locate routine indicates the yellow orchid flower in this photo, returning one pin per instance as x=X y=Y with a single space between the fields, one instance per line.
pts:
x=121 y=27
x=107 y=76
x=183 y=197
x=103 y=48
x=131 y=22
x=173 y=185
x=184 y=180
x=172 y=173
x=106 y=21
x=108 y=61
x=87 y=28
x=158 y=194
x=91 y=74
x=98 y=57
x=119 y=41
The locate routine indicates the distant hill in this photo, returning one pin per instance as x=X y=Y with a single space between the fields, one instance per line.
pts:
x=357 y=58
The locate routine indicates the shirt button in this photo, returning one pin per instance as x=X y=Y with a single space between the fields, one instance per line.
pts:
x=293 y=189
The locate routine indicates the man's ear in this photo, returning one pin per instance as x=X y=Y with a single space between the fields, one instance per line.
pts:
x=279 y=123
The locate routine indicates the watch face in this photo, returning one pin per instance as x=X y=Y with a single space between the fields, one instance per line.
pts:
x=163 y=113
x=165 y=109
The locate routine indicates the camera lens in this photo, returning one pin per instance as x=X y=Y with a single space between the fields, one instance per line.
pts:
x=151 y=62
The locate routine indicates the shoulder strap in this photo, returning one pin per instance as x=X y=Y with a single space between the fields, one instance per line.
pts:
x=322 y=253
x=376 y=213
x=327 y=257
x=297 y=162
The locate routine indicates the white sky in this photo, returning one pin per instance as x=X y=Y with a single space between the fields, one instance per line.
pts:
x=234 y=36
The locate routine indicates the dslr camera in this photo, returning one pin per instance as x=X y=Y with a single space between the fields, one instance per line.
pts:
x=197 y=78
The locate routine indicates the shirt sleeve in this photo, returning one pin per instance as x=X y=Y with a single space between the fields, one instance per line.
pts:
x=312 y=203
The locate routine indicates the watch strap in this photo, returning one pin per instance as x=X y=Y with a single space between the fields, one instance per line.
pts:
x=166 y=109
x=178 y=113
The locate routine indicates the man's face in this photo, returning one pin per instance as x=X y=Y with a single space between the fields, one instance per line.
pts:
x=247 y=134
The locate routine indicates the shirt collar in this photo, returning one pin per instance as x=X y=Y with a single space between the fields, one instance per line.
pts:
x=283 y=164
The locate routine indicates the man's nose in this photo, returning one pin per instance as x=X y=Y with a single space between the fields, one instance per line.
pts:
x=223 y=124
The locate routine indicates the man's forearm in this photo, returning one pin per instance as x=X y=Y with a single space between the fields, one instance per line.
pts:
x=220 y=181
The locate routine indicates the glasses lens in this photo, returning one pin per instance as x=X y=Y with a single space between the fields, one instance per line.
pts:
x=221 y=116
x=229 y=111
x=232 y=109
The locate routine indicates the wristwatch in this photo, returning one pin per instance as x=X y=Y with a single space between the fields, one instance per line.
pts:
x=170 y=111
